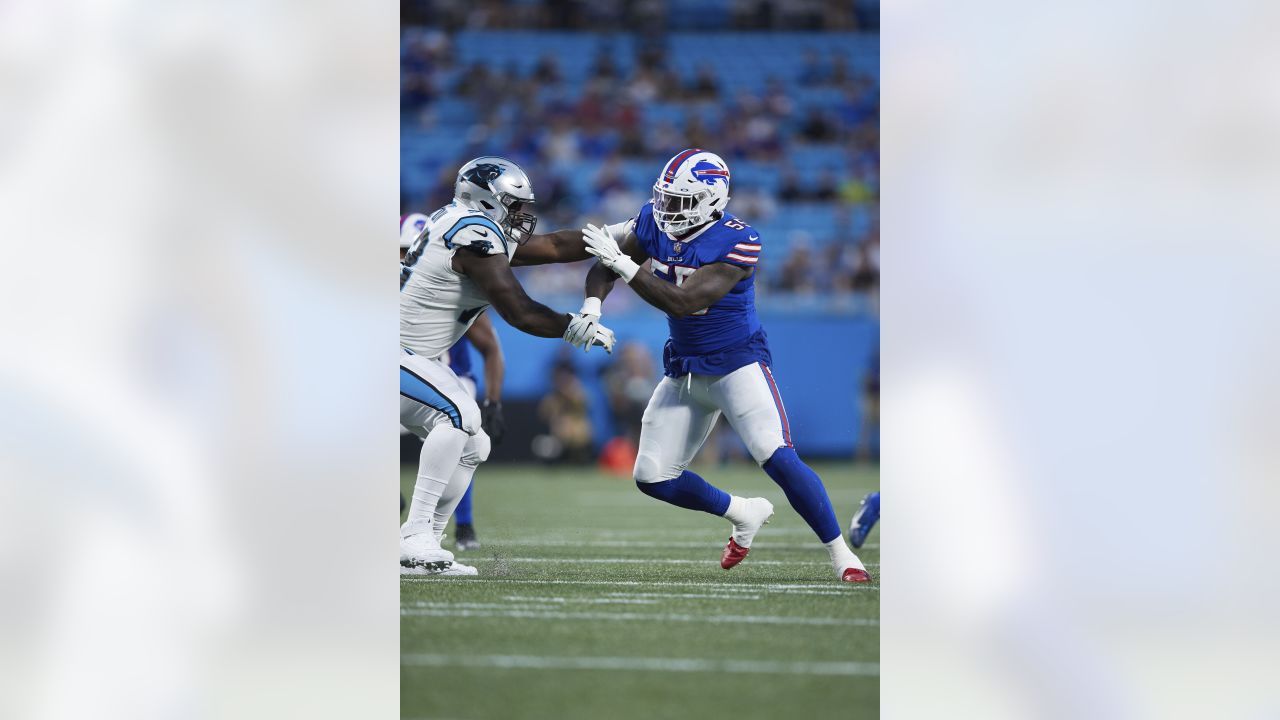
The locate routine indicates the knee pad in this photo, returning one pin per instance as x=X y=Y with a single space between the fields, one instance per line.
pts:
x=477 y=449
x=646 y=470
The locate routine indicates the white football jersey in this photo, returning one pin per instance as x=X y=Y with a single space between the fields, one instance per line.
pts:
x=438 y=304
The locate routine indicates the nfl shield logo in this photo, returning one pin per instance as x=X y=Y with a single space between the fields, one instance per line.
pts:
x=678 y=247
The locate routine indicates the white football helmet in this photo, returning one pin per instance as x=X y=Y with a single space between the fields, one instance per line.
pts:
x=693 y=186
x=498 y=188
x=411 y=226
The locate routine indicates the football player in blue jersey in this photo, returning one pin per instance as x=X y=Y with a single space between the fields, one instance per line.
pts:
x=484 y=339
x=717 y=359
x=865 y=519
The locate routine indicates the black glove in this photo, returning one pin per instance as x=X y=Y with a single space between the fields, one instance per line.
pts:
x=491 y=421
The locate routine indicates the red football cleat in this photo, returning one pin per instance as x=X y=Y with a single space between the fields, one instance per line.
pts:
x=733 y=554
x=855 y=575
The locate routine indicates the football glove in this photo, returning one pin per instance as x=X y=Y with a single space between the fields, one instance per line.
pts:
x=582 y=332
x=492 y=422
x=601 y=244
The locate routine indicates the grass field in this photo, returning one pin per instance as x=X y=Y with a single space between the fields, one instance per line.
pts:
x=594 y=601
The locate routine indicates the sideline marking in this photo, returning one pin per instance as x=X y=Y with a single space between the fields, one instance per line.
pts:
x=456 y=611
x=831 y=588
x=643 y=664
x=643 y=561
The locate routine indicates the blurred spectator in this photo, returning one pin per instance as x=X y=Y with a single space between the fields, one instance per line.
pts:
x=547 y=71
x=594 y=137
x=866 y=274
x=476 y=82
x=628 y=384
x=564 y=410
x=704 y=86
x=825 y=189
x=797 y=274
x=812 y=72
x=561 y=146
x=818 y=127
x=839 y=69
x=604 y=68
x=790 y=190
x=863 y=187
x=665 y=137
x=777 y=102
x=753 y=204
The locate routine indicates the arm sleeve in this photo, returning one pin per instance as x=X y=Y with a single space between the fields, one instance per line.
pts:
x=618 y=231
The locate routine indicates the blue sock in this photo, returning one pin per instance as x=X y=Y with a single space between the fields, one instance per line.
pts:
x=462 y=515
x=688 y=491
x=804 y=491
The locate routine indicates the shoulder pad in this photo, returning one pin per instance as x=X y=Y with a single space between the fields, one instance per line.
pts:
x=477 y=232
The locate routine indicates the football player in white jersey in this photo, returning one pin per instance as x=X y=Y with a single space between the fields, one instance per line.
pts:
x=459 y=265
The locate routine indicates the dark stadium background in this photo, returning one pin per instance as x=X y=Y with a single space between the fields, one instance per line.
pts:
x=592 y=98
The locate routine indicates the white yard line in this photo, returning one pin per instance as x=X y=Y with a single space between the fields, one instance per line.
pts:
x=832 y=588
x=642 y=664
x=445 y=610
x=699 y=544
x=641 y=561
x=695 y=596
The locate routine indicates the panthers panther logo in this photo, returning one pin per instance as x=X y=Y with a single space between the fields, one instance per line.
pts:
x=483 y=174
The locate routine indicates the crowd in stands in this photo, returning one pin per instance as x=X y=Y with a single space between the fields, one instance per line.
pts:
x=644 y=15
x=803 y=142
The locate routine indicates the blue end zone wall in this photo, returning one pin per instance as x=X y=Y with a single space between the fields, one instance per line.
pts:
x=819 y=362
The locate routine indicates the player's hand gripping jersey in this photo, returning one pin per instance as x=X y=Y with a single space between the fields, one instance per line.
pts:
x=437 y=303
x=727 y=335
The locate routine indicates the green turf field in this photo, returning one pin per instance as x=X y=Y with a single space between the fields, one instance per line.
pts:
x=595 y=601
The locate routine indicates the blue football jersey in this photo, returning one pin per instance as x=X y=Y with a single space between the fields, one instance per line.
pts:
x=460 y=358
x=727 y=335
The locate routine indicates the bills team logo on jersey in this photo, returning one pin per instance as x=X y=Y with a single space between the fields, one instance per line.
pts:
x=709 y=173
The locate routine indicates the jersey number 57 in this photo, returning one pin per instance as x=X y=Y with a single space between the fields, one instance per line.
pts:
x=681 y=273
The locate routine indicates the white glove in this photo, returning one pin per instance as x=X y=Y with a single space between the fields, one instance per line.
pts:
x=601 y=244
x=582 y=326
x=604 y=338
x=584 y=332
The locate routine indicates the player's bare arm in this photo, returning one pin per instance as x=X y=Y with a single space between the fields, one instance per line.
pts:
x=699 y=291
x=485 y=340
x=493 y=274
x=561 y=246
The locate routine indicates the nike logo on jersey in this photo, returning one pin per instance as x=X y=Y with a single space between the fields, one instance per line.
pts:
x=753 y=238
x=482 y=233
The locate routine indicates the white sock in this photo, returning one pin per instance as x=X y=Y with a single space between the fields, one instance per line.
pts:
x=737 y=509
x=458 y=484
x=441 y=452
x=841 y=556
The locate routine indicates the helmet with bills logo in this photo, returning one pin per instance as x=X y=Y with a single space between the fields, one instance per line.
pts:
x=692 y=188
x=411 y=227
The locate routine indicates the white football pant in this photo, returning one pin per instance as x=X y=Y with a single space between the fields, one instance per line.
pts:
x=683 y=411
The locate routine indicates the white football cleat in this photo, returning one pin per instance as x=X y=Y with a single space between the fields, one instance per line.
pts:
x=453 y=569
x=419 y=547
x=755 y=514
